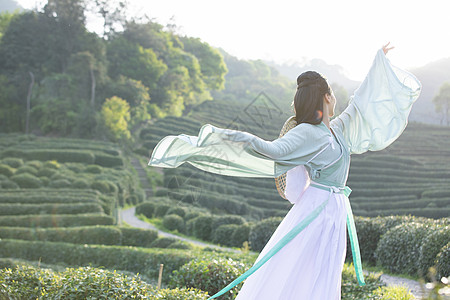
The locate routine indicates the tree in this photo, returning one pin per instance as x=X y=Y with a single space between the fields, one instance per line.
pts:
x=115 y=115
x=442 y=102
x=68 y=20
x=133 y=61
x=5 y=19
x=113 y=13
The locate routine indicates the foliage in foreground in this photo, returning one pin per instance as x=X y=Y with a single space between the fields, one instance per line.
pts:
x=26 y=282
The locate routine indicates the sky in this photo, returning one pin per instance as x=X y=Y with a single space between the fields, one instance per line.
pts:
x=343 y=32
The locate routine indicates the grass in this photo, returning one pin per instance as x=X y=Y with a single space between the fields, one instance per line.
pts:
x=382 y=270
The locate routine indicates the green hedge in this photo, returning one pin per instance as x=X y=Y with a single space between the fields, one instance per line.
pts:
x=261 y=232
x=55 y=208
x=222 y=235
x=108 y=161
x=443 y=262
x=12 y=162
x=26 y=180
x=138 y=237
x=6 y=170
x=174 y=222
x=202 y=227
x=103 y=235
x=431 y=247
x=8 y=184
x=210 y=276
x=26 y=282
x=46 y=221
x=146 y=208
x=240 y=235
x=143 y=261
x=399 y=249
x=60 y=155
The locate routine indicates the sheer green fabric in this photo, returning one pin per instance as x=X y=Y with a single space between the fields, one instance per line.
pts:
x=376 y=116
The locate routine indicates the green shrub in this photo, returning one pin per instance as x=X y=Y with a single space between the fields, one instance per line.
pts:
x=174 y=222
x=51 y=164
x=55 y=208
x=191 y=215
x=369 y=232
x=108 y=161
x=26 y=181
x=12 y=162
x=190 y=226
x=203 y=227
x=161 y=210
x=47 y=172
x=224 y=220
x=350 y=289
x=45 y=221
x=210 y=276
x=163 y=242
x=146 y=208
x=177 y=211
x=431 y=246
x=60 y=184
x=240 y=235
x=178 y=294
x=25 y=282
x=132 y=200
x=8 y=184
x=261 y=232
x=75 y=167
x=105 y=235
x=399 y=248
x=222 y=235
x=396 y=292
x=80 y=184
x=6 y=170
x=34 y=164
x=138 y=237
x=26 y=169
x=180 y=245
x=143 y=261
x=93 y=169
x=443 y=262
x=101 y=185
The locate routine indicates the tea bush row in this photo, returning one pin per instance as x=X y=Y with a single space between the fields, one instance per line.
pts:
x=47 y=221
x=403 y=244
x=26 y=282
x=101 y=235
x=144 y=261
x=65 y=155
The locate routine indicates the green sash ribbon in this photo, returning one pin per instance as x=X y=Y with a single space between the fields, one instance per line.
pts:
x=297 y=229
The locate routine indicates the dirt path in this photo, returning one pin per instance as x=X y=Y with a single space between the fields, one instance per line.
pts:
x=413 y=286
x=128 y=216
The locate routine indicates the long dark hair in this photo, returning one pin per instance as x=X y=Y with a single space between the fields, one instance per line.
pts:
x=308 y=100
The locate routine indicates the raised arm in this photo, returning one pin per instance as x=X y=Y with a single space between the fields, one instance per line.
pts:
x=378 y=111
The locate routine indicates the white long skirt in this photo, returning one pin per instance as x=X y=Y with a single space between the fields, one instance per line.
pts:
x=309 y=267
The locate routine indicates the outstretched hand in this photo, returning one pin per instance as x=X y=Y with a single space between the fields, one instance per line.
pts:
x=386 y=49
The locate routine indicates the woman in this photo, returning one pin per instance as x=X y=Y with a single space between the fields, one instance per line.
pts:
x=305 y=255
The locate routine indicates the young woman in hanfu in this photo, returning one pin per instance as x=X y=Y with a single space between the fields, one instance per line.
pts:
x=304 y=257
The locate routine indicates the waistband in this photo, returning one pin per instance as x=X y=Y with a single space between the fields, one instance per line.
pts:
x=332 y=188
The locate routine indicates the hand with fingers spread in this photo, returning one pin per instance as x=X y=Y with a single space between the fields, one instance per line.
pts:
x=386 y=49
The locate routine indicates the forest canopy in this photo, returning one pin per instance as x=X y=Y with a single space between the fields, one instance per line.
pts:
x=66 y=73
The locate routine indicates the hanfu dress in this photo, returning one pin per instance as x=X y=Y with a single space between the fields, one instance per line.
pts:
x=304 y=257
